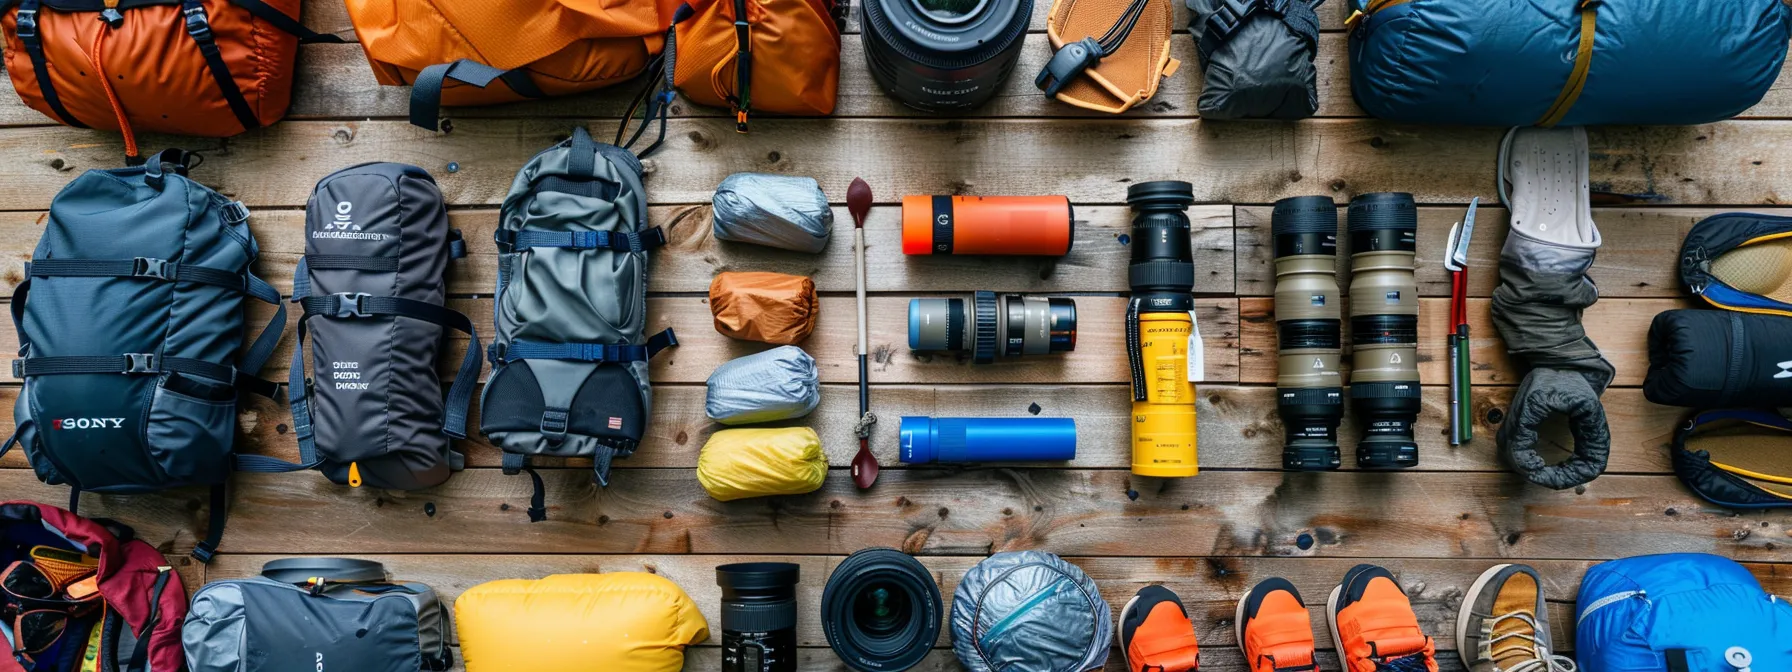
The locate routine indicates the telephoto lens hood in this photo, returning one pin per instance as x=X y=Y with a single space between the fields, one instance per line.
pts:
x=881 y=611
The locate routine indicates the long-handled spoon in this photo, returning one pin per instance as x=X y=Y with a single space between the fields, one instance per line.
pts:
x=864 y=465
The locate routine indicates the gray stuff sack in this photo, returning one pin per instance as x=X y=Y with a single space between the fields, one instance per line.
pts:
x=372 y=289
x=1259 y=65
x=570 y=353
x=778 y=384
x=285 y=621
x=781 y=211
x=1030 y=610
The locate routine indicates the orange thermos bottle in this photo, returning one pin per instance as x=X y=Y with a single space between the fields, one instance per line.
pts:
x=1024 y=225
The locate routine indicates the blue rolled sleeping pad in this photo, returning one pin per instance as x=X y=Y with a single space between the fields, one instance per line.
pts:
x=1510 y=62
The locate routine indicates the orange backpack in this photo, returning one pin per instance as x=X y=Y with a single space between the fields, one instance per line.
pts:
x=451 y=51
x=210 y=68
x=784 y=58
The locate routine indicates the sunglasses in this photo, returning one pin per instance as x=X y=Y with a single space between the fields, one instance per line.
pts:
x=35 y=630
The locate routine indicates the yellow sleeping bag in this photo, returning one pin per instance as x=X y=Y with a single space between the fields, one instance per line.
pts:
x=615 y=622
x=741 y=463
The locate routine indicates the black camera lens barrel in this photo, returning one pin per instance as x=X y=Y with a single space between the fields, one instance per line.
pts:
x=1309 y=391
x=758 y=616
x=936 y=55
x=1384 y=385
x=1162 y=272
x=881 y=611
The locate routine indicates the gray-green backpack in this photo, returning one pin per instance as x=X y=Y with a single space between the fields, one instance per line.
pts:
x=570 y=352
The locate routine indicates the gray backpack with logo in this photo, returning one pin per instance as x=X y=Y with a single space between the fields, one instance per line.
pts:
x=134 y=344
x=372 y=287
x=570 y=354
x=310 y=614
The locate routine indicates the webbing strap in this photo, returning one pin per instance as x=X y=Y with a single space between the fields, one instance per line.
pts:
x=1583 y=60
x=267 y=13
x=589 y=352
x=137 y=363
x=426 y=91
x=460 y=393
x=262 y=348
x=141 y=267
x=581 y=154
x=214 y=533
x=40 y=65
x=200 y=28
x=352 y=262
x=584 y=240
x=299 y=571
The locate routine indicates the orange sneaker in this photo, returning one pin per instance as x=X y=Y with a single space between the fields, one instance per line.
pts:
x=1156 y=635
x=1273 y=628
x=1374 y=627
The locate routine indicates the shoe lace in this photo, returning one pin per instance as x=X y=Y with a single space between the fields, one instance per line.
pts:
x=1411 y=663
x=1524 y=642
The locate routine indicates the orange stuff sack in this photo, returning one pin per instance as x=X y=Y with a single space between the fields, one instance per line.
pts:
x=480 y=52
x=766 y=307
x=211 y=68
x=791 y=52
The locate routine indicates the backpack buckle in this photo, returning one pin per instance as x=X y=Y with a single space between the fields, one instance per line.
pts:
x=27 y=30
x=553 y=424
x=197 y=25
x=141 y=362
x=146 y=267
x=235 y=212
x=352 y=305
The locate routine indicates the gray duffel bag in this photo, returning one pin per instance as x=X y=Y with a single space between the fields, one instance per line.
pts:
x=778 y=384
x=309 y=614
x=1030 y=610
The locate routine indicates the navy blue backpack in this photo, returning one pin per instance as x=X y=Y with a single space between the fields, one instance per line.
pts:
x=133 y=342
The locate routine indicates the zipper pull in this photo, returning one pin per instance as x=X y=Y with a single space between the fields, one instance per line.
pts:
x=112 y=18
x=354 y=474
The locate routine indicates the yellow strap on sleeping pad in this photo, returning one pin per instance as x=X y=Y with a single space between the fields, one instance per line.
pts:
x=1577 y=78
x=1374 y=6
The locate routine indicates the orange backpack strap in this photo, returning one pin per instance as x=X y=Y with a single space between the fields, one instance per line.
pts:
x=426 y=92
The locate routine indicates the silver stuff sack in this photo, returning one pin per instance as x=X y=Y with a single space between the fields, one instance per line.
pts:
x=778 y=384
x=1030 y=610
x=779 y=211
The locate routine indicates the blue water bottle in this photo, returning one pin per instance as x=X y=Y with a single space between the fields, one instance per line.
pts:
x=952 y=440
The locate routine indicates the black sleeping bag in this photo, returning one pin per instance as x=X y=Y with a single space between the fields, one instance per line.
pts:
x=1719 y=359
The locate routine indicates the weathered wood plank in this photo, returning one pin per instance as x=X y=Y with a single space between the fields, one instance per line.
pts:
x=1622 y=336
x=953 y=512
x=1639 y=258
x=1239 y=427
x=1100 y=357
x=1255 y=162
x=1209 y=587
x=1097 y=261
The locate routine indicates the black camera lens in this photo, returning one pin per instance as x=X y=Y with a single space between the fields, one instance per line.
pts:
x=1384 y=328
x=881 y=611
x=1008 y=325
x=758 y=616
x=1309 y=389
x=938 y=55
x=1163 y=259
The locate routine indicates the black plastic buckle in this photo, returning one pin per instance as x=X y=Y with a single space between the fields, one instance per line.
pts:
x=352 y=305
x=18 y=369
x=197 y=25
x=1067 y=64
x=141 y=362
x=1231 y=15
x=27 y=29
x=494 y=353
x=146 y=267
x=553 y=424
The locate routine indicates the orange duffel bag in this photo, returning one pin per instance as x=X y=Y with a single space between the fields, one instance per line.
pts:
x=480 y=52
x=784 y=58
x=211 y=68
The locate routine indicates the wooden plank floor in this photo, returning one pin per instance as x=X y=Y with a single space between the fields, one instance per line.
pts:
x=1209 y=538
